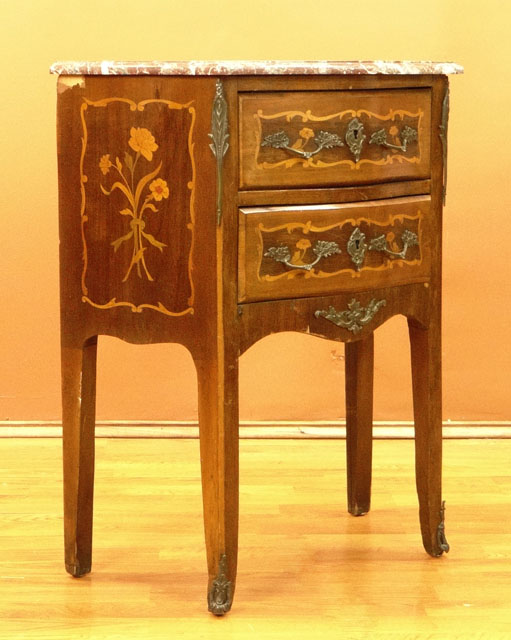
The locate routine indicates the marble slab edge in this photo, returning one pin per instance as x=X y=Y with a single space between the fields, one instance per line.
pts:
x=255 y=67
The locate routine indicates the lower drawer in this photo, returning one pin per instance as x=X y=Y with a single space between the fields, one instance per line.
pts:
x=291 y=252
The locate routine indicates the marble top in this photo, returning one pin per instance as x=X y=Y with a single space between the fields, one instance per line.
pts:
x=254 y=67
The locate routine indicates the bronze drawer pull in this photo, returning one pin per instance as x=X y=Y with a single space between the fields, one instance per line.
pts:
x=322 y=249
x=407 y=135
x=355 y=317
x=324 y=140
x=408 y=238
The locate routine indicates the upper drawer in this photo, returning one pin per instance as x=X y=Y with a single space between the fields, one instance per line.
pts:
x=330 y=138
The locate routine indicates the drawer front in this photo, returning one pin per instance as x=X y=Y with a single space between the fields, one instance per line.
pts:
x=291 y=252
x=331 y=138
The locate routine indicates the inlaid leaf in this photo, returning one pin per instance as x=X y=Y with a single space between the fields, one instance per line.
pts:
x=156 y=243
x=128 y=161
x=142 y=183
x=149 y=205
x=139 y=255
x=117 y=243
x=121 y=187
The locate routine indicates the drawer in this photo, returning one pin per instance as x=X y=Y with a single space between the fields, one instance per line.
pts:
x=331 y=138
x=291 y=252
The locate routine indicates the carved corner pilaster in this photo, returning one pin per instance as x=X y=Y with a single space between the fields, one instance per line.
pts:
x=221 y=591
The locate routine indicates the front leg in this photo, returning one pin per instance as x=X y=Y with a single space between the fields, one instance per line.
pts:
x=359 y=361
x=78 y=421
x=217 y=375
x=427 y=408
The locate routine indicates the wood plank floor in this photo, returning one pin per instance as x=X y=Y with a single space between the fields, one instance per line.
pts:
x=307 y=569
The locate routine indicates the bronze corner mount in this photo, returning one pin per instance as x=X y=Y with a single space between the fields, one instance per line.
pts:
x=220 y=137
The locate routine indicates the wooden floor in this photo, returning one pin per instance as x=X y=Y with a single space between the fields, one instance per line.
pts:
x=307 y=569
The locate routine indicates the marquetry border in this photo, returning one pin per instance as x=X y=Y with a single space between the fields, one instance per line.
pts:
x=137 y=106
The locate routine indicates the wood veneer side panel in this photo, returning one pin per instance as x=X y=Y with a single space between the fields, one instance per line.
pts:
x=148 y=325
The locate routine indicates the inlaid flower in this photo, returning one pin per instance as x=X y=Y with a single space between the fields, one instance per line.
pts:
x=306 y=133
x=159 y=189
x=142 y=140
x=105 y=164
x=303 y=244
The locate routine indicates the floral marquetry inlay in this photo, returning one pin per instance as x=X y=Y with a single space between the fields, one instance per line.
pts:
x=132 y=205
x=154 y=189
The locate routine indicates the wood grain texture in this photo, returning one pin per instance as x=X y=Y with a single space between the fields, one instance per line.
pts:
x=307 y=568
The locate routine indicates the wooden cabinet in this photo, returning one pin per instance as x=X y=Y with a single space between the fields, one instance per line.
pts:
x=212 y=204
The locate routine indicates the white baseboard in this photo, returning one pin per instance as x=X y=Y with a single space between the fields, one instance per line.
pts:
x=319 y=429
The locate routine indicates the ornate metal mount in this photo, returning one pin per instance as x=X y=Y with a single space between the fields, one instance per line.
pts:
x=443 y=138
x=324 y=140
x=408 y=238
x=357 y=247
x=321 y=249
x=355 y=137
x=355 y=317
x=219 y=134
x=220 y=594
x=407 y=135
x=442 y=540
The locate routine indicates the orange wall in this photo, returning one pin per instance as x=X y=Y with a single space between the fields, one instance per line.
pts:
x=285 y=376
